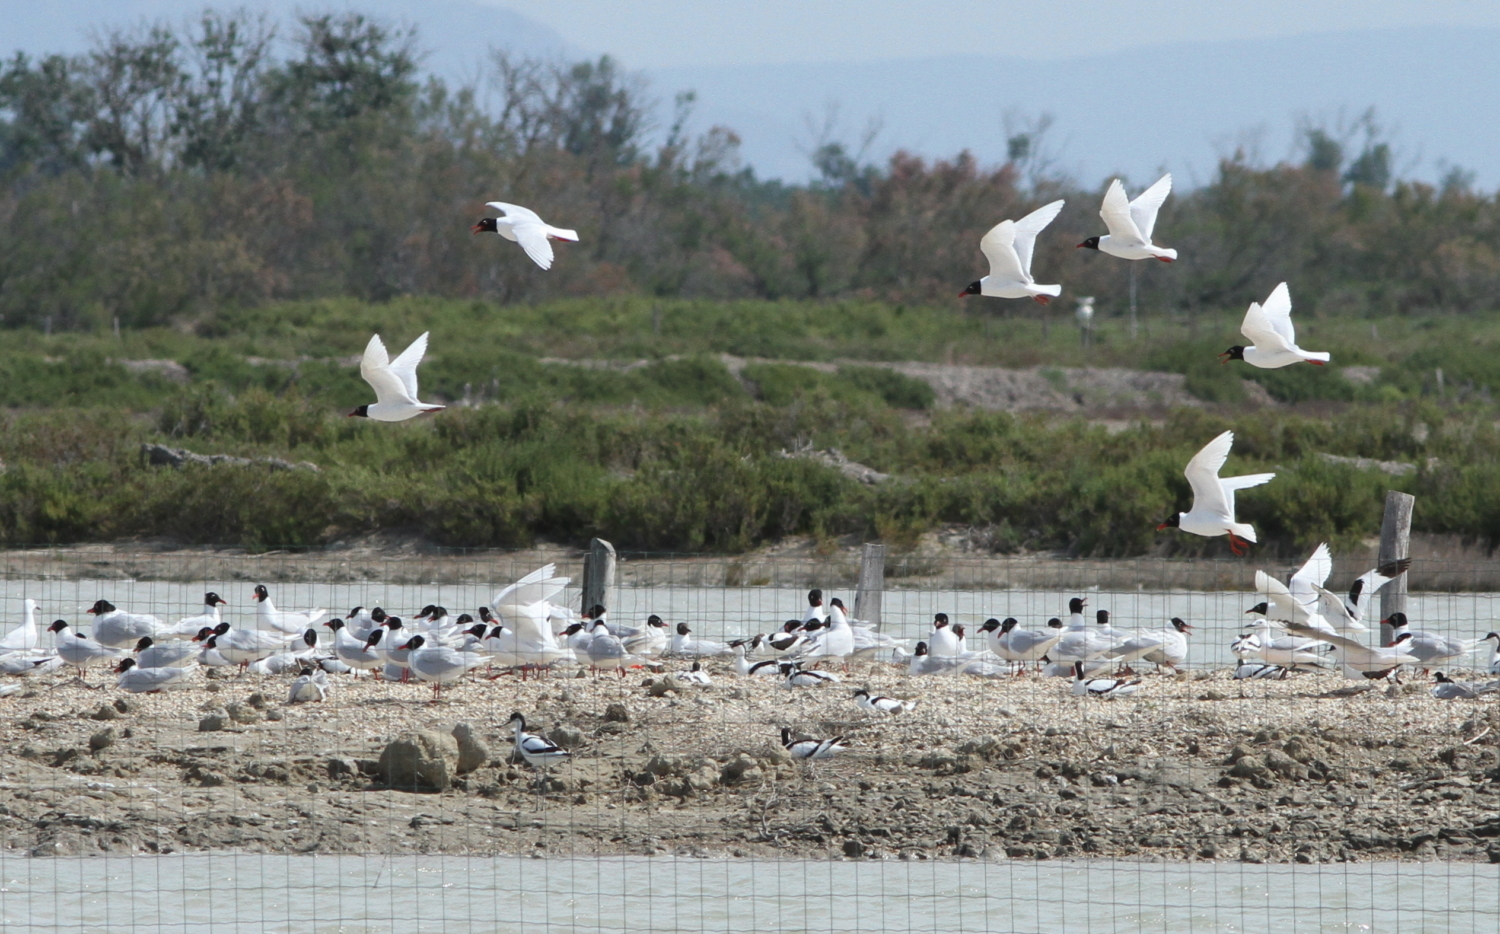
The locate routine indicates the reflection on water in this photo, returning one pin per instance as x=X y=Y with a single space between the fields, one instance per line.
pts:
x=231 y=892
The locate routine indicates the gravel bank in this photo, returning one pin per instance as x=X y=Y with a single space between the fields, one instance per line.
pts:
x=1204 y=768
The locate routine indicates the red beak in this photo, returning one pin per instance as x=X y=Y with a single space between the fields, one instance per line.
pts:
x=1224 y=357
x=1160 y=527
x=962 y=294
x=474 y=230
x=1078 y=247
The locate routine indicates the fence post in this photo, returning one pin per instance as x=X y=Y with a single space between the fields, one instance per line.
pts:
x=871 y=585
x=1395 y=544
x=598 y=574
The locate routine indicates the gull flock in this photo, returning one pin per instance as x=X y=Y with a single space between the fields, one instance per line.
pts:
x=1298 y=626
x=1009 y=248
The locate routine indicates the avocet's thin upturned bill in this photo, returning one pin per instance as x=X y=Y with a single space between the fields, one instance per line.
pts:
x=1131 y=223
x=1008 y=246
x=1273 y=340
x=1212 y=512
x=523 y=226
x=394 y=382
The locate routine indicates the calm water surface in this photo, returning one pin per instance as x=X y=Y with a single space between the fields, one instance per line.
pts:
x=455 y=895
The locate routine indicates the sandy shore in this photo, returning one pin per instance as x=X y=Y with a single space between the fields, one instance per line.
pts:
x=1196 y=768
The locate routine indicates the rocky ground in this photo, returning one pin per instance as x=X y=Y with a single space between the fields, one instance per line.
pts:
x=1192 y=768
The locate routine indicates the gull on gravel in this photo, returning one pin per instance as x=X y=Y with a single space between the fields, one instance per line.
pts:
x=282 y=621
x=78 y=650
x=1430 y=648
x=25 y=637
x=139 y=680
x=116 y=629
x=1445 y=688
x=1020 y=645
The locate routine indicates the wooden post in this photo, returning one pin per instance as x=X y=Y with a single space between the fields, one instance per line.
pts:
x=871 y=585
x=1395 y=544
x=598 y=574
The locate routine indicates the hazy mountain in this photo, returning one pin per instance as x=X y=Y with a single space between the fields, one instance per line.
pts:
x=1175 y=106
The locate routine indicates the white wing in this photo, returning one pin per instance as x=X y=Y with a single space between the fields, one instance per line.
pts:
x=999 y=248
x=1028 y=227
x=1203 y=476
x=1286 y=608
x=535 y=587
x=1370 y=582
x=405 y=366
x=1230 y=484
x=1117 y=216
x=515 y=212
x=1278 y=310
x=1144 y=208
x=376 y=370
x=1331 y=608
x=1259 y=330
x=1312 y=574
x=533 y=239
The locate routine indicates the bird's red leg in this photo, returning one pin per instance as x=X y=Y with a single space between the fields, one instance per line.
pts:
x=1237 y=545
x=1041 y=299
x=1165 y=259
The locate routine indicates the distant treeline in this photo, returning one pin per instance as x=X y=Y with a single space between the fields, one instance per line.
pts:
x=170 y=170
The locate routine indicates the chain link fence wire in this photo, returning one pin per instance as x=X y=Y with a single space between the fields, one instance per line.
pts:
x=1201 y=802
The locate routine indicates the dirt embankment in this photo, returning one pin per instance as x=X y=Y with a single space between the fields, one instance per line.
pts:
x=1187 y=769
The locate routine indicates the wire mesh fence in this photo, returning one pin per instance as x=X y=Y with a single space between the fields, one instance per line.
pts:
x=1001 y=800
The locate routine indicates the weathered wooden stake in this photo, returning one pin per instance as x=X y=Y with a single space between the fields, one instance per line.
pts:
x=1395 y=544
x=598 y=574
x=871 y=585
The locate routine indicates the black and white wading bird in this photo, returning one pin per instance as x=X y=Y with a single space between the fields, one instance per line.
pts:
x=1101 y=687
x=523 y=226
x=810 y=750
x=539 y=752
x=794 y=676
x=1212 y=512
x=874 y=703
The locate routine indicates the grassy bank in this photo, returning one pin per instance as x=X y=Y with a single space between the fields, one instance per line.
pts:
x=678 y=454
x=494 y=352
x=714 y=479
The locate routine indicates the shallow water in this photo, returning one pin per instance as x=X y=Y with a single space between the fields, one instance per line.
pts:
x=727 y=612
x=230 y=892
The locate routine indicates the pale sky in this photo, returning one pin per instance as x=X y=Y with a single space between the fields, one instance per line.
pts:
x=1136 y=87
x=670 y=33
